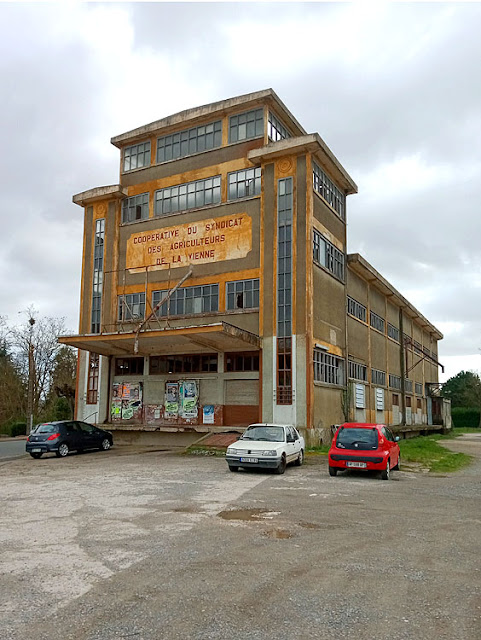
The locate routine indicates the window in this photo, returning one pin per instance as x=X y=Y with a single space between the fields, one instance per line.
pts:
x=408 y=402
x=328 y=190
x=394 y=381
x=360 y=396
x=418 y=404
x=246 y=125
x=187 y=196
x=98 y=272
x=284 y=291
x=328 y=368
x=408 y=385
x=188 y=300
x=129 y=366
x=243 y=294
x=357 y=371
x=378 y=377
x=379 y=399
x=190 y=141
x=198 y=363
x=328 y=256
x=135 y=208
x=356 y=309
x=395 y=400
x=275 y=129
x=417 y=346
x=392 y=332
x=242 y=361
x=244 y=183
x=137 y=156
x=418 y=388
x=131 y=307
x=376 y=321
x=93 y=378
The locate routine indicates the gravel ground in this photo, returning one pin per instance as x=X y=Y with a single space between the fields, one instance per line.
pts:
x=113 y=545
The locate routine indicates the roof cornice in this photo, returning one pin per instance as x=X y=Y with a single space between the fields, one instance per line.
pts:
x=109 y=192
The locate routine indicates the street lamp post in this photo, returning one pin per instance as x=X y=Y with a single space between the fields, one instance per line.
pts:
x=31 y=373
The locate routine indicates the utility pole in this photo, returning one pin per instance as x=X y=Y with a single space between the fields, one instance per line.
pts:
x=31 y=375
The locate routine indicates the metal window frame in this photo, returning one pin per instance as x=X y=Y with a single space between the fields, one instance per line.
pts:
x=181 y=295
x=188 y=141
x=189 y=194
x=234 y=183
x=134 y=151
x=239 y=288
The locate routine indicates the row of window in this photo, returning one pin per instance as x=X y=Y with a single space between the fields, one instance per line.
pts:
x=326 y=188
x=243 y=126
x=188 y=363
x=359 y=311
x=240 y=294
x=360 y=399
x=191 y=195
x=328 y=256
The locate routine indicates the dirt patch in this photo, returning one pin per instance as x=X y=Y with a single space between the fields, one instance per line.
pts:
x=243 y=514
x=279 y=534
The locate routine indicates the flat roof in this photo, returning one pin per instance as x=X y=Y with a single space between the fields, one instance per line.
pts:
x=212 y=108
x=361 y=266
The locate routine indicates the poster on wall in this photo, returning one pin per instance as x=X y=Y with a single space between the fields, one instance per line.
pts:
x=126 y=401
x=116 y=406
x=208 y=414
x=171 y=407
x=188 y=398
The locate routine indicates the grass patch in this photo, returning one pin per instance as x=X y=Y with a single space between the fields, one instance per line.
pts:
x=323 y=450
x=199 y=450
x=426 y=451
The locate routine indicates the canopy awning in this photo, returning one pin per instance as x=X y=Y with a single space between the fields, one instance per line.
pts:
x=218 y=337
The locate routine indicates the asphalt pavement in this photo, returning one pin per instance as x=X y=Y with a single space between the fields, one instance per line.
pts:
x=110 y=545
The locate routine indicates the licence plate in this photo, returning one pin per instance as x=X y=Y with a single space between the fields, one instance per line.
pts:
x=357 y=465
x=254 y=460
x=36 y=450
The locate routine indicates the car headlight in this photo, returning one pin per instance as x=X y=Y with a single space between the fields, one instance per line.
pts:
x=269 y=452
x=231 y=451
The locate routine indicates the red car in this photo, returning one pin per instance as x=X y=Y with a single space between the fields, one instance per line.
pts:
x=372 y=447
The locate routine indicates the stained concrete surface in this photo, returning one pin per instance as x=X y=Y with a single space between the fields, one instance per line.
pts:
x=102 y=546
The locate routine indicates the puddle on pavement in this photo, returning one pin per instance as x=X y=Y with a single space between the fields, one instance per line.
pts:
x=244 y=514
x=278 y=534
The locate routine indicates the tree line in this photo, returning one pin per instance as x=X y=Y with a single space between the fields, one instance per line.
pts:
x=53 y=373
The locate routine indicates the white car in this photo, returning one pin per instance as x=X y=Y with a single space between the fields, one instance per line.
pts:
x=270 y=446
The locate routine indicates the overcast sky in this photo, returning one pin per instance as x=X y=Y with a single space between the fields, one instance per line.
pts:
x=393 y=89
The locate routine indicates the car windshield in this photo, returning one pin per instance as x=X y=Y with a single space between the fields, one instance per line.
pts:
x=357 y=438
x=46 y=428
x=270 y=434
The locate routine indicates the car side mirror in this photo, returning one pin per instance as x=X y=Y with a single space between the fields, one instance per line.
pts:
x=396 y=439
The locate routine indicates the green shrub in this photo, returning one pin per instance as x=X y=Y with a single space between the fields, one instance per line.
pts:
x=465 y=417
x=18 y=429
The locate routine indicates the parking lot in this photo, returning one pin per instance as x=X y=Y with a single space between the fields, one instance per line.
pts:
x=149 y=544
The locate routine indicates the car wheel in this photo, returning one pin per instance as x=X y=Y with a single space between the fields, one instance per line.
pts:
x=36 y=455
x=333 y=471
x=300 y=458
x=233 y=468
x=105 y=444
x=386 y=472
x=62 y=450
x=398 y=466
x=282 y=466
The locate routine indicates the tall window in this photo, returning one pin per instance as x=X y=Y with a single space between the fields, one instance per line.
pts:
x=378 y=377
x=188 y=300
x=394 y=381
x=328 y=368
x=135 y=208
x=392 y=332
x=284 y=291
x=190 y=141
x=131 y=307
x=187 y=196
x=326 y=188
x=360 y=396
x=328 y=256
x=275 y=129
x=137 y=156
x=244 y=183
x=356 y=309
x=379 y=399
x=243 y=294
x=418 y=388
x=98 y=272
x=93 y=379
x=246 y=125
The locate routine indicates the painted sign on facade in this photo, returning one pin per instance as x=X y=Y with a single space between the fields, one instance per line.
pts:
x=211 y=240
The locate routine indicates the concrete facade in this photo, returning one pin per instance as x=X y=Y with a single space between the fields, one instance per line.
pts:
x=235 y=217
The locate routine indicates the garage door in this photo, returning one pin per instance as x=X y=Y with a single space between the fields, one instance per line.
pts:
x=241 y=402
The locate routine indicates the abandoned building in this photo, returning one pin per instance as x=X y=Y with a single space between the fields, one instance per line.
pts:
x=217 y=289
